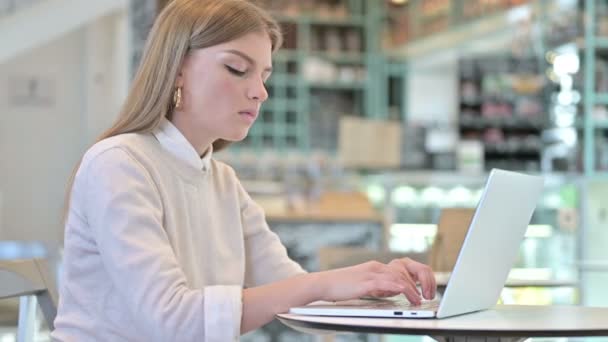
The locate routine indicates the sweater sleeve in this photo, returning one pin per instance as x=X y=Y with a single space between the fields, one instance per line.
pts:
x=124 y=211
x=266 y=257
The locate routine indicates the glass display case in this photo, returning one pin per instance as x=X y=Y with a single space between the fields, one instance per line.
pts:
x=411 y=203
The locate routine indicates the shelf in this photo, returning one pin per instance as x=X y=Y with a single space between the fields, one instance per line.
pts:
x=341 y=85
x=506 y=97
x=472 y=102
x=440 y=14
x=598 y=176
x=339 y=57
x=330 y=207
x=280 y=105
x=512 y=123
x=286 y=55
x=422 y=178
x=601 y=99
x=493 y=150
x=352 y=21
x=601 y=43
x=460 y=33
x=603 y=124
x=597 y=124
x=593 y=266
x=358 y=78
x=283 y=80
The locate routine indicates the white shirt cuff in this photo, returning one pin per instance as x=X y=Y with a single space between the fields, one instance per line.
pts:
x=223 y=306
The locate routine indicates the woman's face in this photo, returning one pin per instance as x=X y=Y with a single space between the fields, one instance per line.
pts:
x=223 y=89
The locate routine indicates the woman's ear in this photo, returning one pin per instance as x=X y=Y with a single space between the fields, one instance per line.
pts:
x=179 y=82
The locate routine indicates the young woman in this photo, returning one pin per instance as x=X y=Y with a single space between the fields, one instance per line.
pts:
x=162 y=243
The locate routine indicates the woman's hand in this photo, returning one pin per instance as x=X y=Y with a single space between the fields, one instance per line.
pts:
x=262 y=303
x=379 y=280
x=419 y=273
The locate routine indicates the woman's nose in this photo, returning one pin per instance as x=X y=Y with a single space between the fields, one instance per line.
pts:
x=258 y=91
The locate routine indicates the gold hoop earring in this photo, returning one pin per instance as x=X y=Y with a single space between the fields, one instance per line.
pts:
x=177 y=98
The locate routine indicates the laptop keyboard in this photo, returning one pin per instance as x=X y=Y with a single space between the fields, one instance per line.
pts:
x=401 y=304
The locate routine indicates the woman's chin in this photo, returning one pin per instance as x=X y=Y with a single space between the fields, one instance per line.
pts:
x=237 y=136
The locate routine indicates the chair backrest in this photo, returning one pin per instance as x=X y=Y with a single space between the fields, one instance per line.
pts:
x=29 y=277
x=451 y=231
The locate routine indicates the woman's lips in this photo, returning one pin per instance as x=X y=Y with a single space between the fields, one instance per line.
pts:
x=251 y=115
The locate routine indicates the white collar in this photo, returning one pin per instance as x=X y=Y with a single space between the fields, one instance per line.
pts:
x=172 y=140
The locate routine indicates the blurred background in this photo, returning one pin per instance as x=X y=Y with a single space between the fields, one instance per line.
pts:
x=383 y=122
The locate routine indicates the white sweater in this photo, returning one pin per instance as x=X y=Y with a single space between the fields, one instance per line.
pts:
x=159 y=244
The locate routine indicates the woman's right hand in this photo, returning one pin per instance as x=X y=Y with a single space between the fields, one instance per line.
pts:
x=368 y=279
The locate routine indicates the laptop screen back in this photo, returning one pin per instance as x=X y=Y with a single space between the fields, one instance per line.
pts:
x=492 y=242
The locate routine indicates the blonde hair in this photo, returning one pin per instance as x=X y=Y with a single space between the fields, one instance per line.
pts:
x=182 y=26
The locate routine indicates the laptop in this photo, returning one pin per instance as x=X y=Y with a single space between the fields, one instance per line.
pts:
x=487 y=254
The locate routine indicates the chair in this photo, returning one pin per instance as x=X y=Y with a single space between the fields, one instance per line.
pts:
x=31 y=281
x=338 y=257
x=451 y=230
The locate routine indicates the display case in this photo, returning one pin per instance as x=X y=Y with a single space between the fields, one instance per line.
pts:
x=412 y=203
